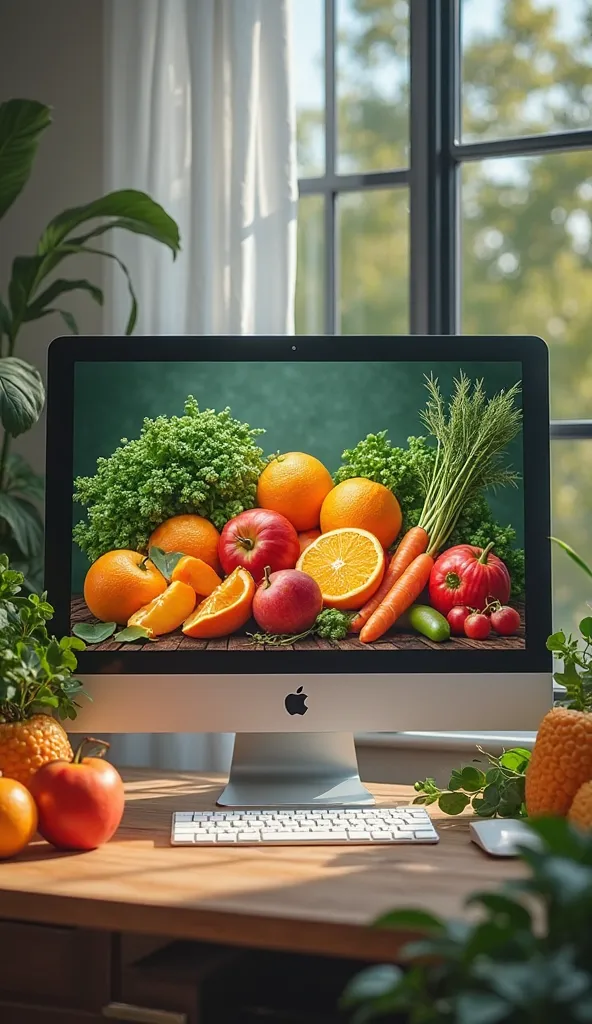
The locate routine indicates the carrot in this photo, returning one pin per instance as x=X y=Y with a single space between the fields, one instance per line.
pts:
x=400 y=597
x=414 y=543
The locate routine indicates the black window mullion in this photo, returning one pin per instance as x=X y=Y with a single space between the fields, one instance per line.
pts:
x=331 y=277
x=450 y=107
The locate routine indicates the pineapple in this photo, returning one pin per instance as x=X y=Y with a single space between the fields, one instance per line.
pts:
x=561 y=762
x=30 y=743
x=35 y=681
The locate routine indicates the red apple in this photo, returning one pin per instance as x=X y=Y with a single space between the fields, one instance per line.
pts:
x=80 y=802
x=257 y=538
x=287 y=602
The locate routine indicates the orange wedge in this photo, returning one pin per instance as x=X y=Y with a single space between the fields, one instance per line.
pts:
x=167 y=611
x=348 y=565
x=198 y=574
x=227 y=608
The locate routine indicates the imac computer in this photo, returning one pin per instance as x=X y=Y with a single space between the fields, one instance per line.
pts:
x=222 y=513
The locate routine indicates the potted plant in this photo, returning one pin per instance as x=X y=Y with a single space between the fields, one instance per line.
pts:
x=34 y=291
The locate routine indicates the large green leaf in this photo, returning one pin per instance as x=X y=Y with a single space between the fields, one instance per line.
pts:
x=20 y=478
x=5 y=320
x=22 y=123
x=21 y=395
x=24 y=522
x=25 y=272
x=140 y=213
x=37 y=308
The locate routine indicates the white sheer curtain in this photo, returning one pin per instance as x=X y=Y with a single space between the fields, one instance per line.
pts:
x=199 y=114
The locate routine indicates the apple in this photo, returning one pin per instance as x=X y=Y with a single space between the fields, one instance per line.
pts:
x=258 y=538
x=80 y=802
x=306 y=538
x=287 y=602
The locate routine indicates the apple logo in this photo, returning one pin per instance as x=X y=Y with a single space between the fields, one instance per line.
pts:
x=296 y=702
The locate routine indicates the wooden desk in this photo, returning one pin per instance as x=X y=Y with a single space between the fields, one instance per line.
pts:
x=314 y=900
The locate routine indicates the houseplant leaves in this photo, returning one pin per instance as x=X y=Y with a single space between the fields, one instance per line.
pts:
x=21 y=395
x=22 y=122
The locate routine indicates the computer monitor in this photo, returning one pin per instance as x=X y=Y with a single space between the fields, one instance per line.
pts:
x=306 y=460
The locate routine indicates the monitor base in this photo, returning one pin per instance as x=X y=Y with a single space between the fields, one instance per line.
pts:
x=294 y=770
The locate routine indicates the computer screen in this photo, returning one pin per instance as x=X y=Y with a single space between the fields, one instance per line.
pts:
x=299 y=505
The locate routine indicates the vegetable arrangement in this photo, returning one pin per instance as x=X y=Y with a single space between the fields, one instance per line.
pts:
x=312 y=544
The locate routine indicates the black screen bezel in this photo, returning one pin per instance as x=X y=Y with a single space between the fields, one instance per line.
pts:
x=531 y=352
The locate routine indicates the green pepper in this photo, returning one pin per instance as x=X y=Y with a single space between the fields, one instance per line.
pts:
x=429 y=623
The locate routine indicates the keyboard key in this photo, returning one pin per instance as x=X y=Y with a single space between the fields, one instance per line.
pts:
x=300 y=836
x=358 y=837
x=247 y=837
x=382 y=835
x=183 y=815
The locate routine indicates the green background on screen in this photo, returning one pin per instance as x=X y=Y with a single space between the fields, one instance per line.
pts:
x=320 y=408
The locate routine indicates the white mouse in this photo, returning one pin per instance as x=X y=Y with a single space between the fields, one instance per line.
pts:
x=501 y=836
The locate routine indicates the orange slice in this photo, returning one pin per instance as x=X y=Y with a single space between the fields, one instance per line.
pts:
x=227 y=608
x=198 y=574
x=167 y=611
x=348 y=565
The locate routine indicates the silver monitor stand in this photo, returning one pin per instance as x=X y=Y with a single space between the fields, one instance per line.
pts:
x=313 y=769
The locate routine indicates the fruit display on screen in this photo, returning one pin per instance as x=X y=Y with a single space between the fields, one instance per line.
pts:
x=312 y=506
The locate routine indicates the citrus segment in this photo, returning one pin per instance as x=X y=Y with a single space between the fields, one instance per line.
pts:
x=197 y=573
x=295 y=485
x=348 y=565
x=190 y=534
x=119 y=583
x=364 y=504
x=227 y=608
x=168 y=611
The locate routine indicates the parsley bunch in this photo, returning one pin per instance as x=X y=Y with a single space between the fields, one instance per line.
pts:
x=406 y=472
x=205 y=463
x=35 y=667
x=331 y=624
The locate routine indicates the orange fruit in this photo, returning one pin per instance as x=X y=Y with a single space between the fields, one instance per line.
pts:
x=197 y=573
x=364 y=504
x=192 y=535
x=561 y=762
x=119 y=583
x=295 y=485
x=580 y=812
x=167 y=611
x=18 y=817
x=27 y=745
x=306 y=538
x=348 y=565
x=227 y=608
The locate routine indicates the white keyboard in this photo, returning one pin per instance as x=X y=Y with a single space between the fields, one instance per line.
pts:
x=337 y=826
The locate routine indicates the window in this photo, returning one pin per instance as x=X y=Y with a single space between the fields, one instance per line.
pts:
x=445 y=154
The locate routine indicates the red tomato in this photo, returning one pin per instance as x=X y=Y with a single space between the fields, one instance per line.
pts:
x=456 y=619
x=505 y=621
x=80 y=802
x=470 y=576
x=477 y=626
x=256 y=539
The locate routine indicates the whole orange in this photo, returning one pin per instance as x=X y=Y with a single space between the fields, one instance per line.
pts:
x=191 y=535
x=364 y=505
x=28 y=744
x=119 y=583
x=295 y=485
x=18 y=817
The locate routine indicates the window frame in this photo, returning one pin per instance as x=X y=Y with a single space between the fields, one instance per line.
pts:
x=437 y=155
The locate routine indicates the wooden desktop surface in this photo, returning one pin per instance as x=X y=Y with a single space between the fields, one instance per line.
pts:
x=313 y=899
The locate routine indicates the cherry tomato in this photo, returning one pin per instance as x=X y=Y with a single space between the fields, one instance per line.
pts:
x=505 y=621
x=477 y=626
x=456 y=619
x=80 y=802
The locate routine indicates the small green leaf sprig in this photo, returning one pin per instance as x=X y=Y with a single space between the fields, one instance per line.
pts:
x=330 y=624
x=35 y=667
x=496 y=791
x=576 y=674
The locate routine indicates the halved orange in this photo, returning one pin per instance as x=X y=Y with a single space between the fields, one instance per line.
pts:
x=167 y=611
x=348 y=565
x=198 y=574
x=227 y=608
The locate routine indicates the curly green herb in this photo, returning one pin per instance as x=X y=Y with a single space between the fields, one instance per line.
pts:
x=330 y=624
x=205 y=463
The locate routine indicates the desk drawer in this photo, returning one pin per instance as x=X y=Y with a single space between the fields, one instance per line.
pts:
x=44 y=965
